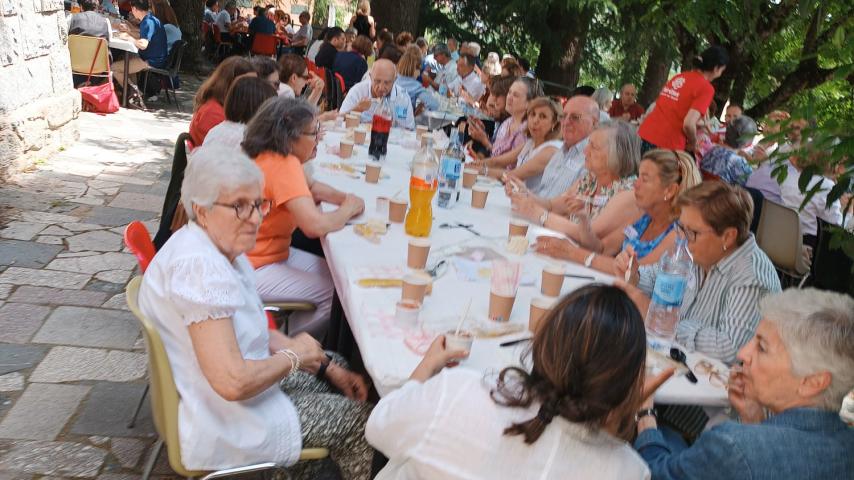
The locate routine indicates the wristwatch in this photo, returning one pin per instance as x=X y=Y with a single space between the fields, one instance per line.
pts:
x=646 y=412
x=589 y=260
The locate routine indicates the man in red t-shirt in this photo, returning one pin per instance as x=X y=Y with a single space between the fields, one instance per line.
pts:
x=627 y=108
x=672 y=124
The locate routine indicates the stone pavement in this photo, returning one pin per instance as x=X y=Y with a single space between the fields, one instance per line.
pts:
x=72 y=360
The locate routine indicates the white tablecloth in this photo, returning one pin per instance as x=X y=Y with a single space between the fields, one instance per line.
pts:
x=370 y=312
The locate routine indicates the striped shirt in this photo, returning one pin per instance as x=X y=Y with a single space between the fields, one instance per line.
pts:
x=565 y=167
x=720 y=310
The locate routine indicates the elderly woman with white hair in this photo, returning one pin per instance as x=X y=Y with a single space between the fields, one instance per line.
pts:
x=604 y=98
x=603 y=196
x=247 y=394
x=788 y=392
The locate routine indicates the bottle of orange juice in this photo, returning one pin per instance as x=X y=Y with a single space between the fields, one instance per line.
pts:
x=422 y=187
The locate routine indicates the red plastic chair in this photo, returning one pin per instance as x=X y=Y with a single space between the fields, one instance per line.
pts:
x=264 y=44
x=139 y=242
x=341 y=83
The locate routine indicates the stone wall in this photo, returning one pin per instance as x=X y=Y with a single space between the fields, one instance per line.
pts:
x=38 y=102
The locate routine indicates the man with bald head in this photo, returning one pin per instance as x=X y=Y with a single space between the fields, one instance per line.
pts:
x=627 y=108
x=580 y=117
x=380 y=84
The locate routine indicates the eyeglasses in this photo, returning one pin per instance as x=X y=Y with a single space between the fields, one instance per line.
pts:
x=690 y=234
x=313 y=133
x=574 y=118
x=243 y=210
x=716 y=377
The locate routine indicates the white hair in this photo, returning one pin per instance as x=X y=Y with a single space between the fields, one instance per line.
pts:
x=817 y=329
x=492 y=64
x=474 y=48
x=602 y=96
x=214 y=170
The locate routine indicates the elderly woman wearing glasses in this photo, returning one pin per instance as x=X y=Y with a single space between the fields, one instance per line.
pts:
x=281 y=137
x=795 y=373
x=719 y=311
x=247 y=394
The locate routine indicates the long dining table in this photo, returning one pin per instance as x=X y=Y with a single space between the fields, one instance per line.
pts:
x=459 y=257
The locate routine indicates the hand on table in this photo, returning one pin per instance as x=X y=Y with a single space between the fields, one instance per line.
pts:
x=436 y=358
x=513 y=186
x=749 y=410
x=527 y=207
x=554 y=247
x=351 y=384
x=353 y=204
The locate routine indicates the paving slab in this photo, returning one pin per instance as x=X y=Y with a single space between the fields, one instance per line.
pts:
x=128 y=451
x=27 y=254
x=138 y=201
x=12 y=382
x=21 y=230
x=89 y=327
x=95 y=263
x=19 y=321
x=49 y=240
x=108 y=409
x=72 y=364
x=114 y=217
x=82 y=227
x=45 y=217
x=19 y=357
x=107 y=287
x=64 y=459
x=58 y=296
x=42 y=411
x=98 y=241
x=5 y=291
x=117 y=302
x=44 y=278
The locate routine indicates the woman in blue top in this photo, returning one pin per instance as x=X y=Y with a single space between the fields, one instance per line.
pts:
x=662 y=176
x=408 y=69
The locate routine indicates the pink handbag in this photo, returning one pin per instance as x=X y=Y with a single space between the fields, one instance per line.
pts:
x=99 y=98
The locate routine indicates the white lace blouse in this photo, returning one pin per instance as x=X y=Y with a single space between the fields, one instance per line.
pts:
x=528 y=152
x=190 y=281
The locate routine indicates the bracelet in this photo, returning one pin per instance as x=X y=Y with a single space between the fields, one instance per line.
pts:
x=321 y=372
x=544 y=217
x=293 y=357
x=651 y=412
x=589 y=260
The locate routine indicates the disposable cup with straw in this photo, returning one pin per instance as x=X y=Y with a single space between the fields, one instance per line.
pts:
x=502 y=293
x=459 y=339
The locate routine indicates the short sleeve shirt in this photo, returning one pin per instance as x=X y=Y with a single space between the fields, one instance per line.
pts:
x=284 y=181
x=209 y=115
x=152 y=30
x=684 y=92
x=617 y=110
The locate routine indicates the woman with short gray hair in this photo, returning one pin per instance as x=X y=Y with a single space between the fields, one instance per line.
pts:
x=281 y=138
x=788 y=392
x=247 y=394
x=603 y=97
x=727 y=162
x=602 y=200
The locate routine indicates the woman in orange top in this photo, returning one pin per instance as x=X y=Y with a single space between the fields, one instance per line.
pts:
x=281 y=137
x=208 y=110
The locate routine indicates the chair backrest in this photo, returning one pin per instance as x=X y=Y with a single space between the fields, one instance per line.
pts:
x=264 y=44
x=341 y=84
x=83 y=49
x=173 y=191
x=758 y=200
x=217 y=35
x=832 y=267
x=139 y=242
x=176 y=54
x=779 y=236
x=164 y=393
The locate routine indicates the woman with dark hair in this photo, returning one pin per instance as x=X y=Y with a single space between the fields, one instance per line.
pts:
x=353 y=65
x=566 y=418
x=727 y=161
x=482 y=132
x=685 y=98
x=281 y=138
x=294 y=76
x=244 y=98
x=267 y=69
x=208 y=104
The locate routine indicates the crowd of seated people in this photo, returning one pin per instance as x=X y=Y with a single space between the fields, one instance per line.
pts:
x=624 y=189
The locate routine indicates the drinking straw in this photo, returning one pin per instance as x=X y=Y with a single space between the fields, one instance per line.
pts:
x=628 y=273
x=463 y=318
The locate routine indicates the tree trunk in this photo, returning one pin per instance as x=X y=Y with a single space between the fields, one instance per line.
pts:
x=189 y=13
x=687 y=44
x=560 y=61
x=655 y=74
x=396 y=15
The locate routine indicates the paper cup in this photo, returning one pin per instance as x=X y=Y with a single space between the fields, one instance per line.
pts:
x=469 y=177
x=346 y=148
x=397 y=210
x=420 y=131
x=359 y=136
x=419 y=249
x=500 y=307
x=518 y=228
x=415 y=286
x=552 y=281
x=351 y=121
x=459 y=342
x=478 y=196
x=406 y=314
x=539 y=308
x=372 y=172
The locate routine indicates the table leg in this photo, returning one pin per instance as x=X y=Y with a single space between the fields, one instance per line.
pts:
x=125 y=78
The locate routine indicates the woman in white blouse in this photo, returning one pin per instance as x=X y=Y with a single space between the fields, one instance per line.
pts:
x=563 y=420
x=543 y=130
x=248 y=394
x=244 y=98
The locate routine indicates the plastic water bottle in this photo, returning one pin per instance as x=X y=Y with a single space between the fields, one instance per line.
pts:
x=422 y=186
x=450 y=172
x=675 y=268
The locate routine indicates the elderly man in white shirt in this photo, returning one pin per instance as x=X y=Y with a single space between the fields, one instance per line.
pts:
x=817 y=207
x=380 y=84
x=445 y=67
x=467 y=80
